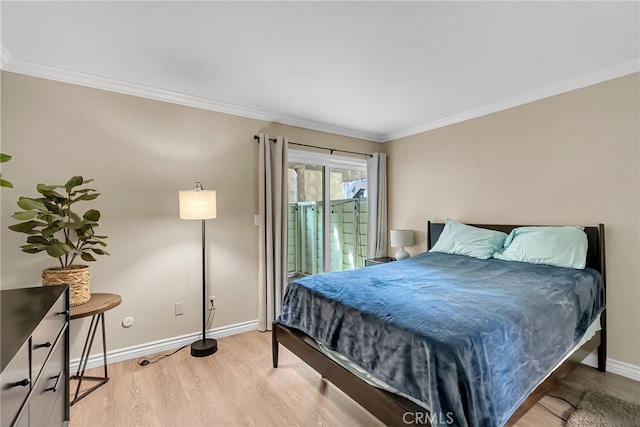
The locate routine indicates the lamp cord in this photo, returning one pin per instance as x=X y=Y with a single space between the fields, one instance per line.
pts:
x=148 y=361
x=562 y=398
x=551 y=412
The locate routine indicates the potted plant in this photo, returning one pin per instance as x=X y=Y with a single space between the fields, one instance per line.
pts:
x=53 y=227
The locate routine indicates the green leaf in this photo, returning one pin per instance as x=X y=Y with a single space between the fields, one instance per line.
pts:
x=85 y=231
x=48 y=217
x=37 y=239
x=28 y=227
x=57 y=249
x=53 y=197
x=52 y=229
x=24 y=216
x=98 y=251
x=28 y=204
x=73 y=182
x=92 y=215
x=87 y=197
x=53 y=208
x=75 y=225
x=84 y=190
x=86 y=256
x=3 y=182
x=31 y=250
x=37 y=248
x=42 y=188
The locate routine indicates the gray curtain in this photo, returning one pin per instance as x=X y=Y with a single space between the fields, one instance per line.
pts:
x=377 y=205
x=272 y=193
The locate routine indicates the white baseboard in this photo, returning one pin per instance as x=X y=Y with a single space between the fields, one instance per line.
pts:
x=141 y=350
x=615 y=367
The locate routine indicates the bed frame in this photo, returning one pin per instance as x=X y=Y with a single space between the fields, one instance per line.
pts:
x=394 y=410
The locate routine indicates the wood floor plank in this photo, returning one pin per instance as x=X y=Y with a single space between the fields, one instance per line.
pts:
x=238 y=387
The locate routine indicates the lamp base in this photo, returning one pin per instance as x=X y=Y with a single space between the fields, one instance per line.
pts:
x=205 y=347
x=402 y=254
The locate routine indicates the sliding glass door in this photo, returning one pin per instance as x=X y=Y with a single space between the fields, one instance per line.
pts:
x=348 y=218
x=326 y=236
x=305 y=219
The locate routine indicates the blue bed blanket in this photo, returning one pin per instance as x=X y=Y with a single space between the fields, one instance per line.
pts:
x=470 y=338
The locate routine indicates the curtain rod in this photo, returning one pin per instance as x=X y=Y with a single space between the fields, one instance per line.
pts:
x=331 y=150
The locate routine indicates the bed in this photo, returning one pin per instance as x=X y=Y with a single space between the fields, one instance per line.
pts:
x=440 y=369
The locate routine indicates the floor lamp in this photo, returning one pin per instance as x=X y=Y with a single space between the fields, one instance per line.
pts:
x=200 y=204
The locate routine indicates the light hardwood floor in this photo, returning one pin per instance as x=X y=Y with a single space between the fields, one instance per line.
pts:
x=238 y=387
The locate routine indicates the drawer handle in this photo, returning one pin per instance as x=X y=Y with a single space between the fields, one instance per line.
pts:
x=55 y=386
x=25 y=382
x=45 y=345
x=63 y=313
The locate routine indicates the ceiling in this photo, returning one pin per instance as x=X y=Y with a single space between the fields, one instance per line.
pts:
x=373 y=70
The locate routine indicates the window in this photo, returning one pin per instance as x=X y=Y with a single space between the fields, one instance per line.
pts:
x=314 y=178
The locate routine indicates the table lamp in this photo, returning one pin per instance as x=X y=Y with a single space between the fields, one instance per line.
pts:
x=400 y=239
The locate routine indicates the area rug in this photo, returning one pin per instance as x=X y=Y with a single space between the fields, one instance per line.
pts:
x=602 y=410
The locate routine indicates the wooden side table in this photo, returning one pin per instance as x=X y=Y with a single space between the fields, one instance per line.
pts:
x=95 y=307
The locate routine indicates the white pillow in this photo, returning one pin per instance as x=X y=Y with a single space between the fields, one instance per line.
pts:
x=557 y=246
x=462 y=239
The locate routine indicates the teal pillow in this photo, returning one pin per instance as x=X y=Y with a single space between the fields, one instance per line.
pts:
x=557 y=246
x=461 y=239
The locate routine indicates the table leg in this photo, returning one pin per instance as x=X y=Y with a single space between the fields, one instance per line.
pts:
x=80 y=376
x=104 y=348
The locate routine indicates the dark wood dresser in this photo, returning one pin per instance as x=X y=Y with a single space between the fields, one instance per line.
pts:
x=35 y=356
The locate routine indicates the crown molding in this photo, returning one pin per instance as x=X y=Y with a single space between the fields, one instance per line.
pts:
x=600 y=76
x=11 y=64
x=128 y=88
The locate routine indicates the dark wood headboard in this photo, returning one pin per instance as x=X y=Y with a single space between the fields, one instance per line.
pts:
x=595 y=240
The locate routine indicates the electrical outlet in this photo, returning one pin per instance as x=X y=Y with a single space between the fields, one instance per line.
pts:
x=127 y=322
x=212 y=302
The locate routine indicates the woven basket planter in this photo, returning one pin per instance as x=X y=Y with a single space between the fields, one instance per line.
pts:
x=77 y=277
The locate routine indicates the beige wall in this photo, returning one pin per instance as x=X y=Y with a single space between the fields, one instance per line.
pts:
x=569 y=159
x=140 y=153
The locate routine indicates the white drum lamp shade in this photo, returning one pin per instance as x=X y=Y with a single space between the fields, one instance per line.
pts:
x=401 y=239
x=197 y=204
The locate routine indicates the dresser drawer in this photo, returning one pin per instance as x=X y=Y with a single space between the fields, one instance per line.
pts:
x=49 y=388
x=16 y=384
x=59 y=412
x=45 y=335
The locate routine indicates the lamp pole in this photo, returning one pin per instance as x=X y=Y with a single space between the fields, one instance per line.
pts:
x=204 y=288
